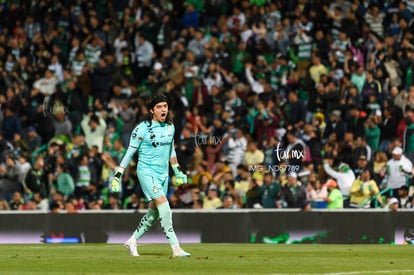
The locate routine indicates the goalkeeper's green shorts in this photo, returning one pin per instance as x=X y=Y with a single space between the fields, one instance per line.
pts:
x=153 y=186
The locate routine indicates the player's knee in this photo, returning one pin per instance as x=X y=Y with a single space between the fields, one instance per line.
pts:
x=164 y=210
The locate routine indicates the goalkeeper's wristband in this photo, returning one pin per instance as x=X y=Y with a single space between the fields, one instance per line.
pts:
x=176 y=168
x=119 y=172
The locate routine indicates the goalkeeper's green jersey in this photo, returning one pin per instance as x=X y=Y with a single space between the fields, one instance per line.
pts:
x=155 y=146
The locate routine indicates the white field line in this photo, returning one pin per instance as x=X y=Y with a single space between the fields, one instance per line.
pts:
x=356 y=272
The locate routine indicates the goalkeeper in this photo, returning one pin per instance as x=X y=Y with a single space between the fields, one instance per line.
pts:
x=153 y=139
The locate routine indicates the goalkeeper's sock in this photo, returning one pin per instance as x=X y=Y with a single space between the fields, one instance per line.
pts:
x=166 y=222
x=146 y=222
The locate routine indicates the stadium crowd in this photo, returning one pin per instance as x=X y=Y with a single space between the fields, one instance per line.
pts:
x=276 y=104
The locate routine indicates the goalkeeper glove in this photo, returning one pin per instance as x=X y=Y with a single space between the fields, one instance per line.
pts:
x=180 y=177
x=115 y=184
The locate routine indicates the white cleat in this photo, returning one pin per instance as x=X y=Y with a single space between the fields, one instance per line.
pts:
x=131 y=245
x=181 y=253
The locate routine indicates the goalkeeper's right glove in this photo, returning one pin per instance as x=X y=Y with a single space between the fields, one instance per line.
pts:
x=115 y=184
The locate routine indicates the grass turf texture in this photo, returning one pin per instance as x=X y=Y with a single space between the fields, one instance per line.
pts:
x=207 y=259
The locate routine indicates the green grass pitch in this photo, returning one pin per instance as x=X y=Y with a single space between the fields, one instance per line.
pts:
x=208 y=259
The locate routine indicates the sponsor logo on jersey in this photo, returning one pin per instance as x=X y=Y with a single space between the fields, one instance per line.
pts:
x=156 y=144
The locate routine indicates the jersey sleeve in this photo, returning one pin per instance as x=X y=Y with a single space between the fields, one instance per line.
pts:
x=137 y=136
x=173 y=154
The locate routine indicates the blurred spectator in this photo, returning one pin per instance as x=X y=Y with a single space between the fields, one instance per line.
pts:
x=134 y=203
x=93 y=48
x=335 y=198
x=43 y=123
x=295 y=152
x=16 y=202
x=253 y=155
x=212 y=200
x=10 y=175
x=269 y=191
x=55 y=208
x=295 y=110
x=83 y=179
x=20 y=145
x=46 y=86
x=242 y=178
x=41 y=203
x=265 y=122
x=317 y=69
x=372 y=134
x=64 y=181
x=228 y=202
x=34 y=139
x=185 y=149
x=62 y=125
x=344 y=178
x=70 y=207
x=361 y=147
x=292 y=194
x=213 y=149
x=58 y=202
x=201 y=171
x=56 y=68
x=363 y=190
x=118 y=150
x=175 y=201
x=374 y=17
x=362 y=164
x=144 y=53
x=408 y=137
x=335 y=126
x=237 y=196
x=196 y=195
x=11 y=124
x=94 y=129
x=398 y=169
x=406 y=201
x=393 y=204
x=315 y=191
x=269 y=151
x=36 y=179
x=303 y=45
x=25 y=166
x=190 y=18
x=354 y=120
x=127 y=116
x=157 y=77
x=113 y=203
x=388 y=127
x=92 y=199
x=77 y=147
x=101 y=79
x=306 y=206
x=237 y=145
x=4 y=205
x=253 y=198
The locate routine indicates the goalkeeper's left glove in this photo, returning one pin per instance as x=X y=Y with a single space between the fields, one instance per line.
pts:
x=180 y=177
x=115 y=184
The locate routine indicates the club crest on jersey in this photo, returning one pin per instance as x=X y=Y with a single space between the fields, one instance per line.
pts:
x=155 y=189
